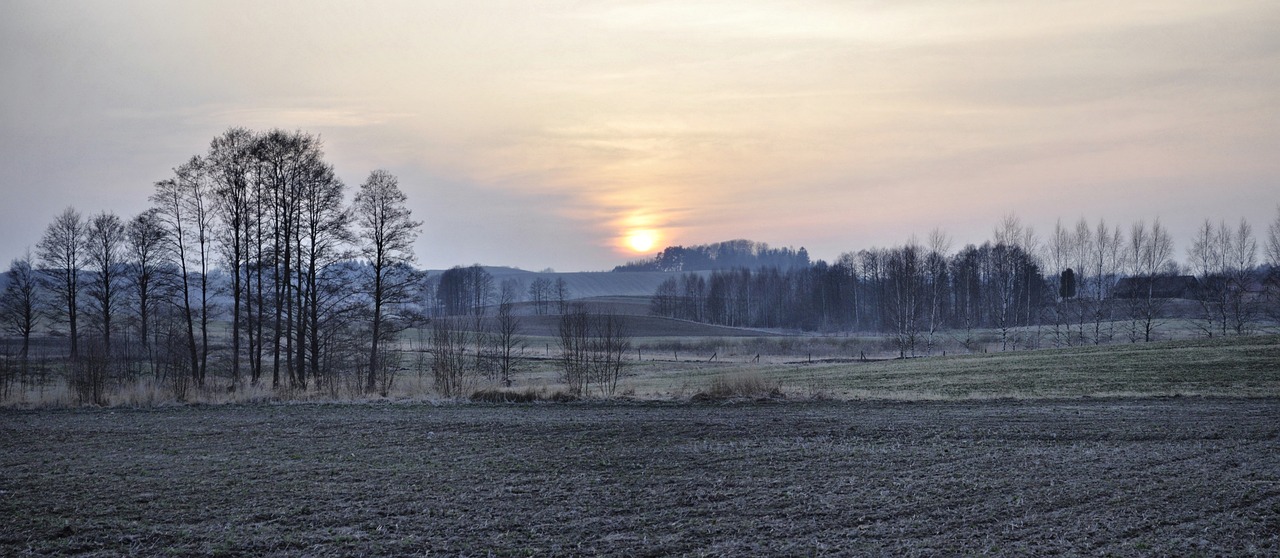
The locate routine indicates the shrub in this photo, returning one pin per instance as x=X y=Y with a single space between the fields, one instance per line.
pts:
x=746 y=386
x=502 y=396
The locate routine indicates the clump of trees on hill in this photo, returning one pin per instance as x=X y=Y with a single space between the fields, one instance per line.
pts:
x=1087 y=283
x=721 y=255
x=250 y=267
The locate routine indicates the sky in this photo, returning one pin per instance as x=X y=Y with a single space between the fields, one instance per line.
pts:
x=561 y=133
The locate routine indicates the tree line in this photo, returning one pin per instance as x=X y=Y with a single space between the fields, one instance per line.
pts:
x=730 y=254
x=1087 y=283
x=250 y=266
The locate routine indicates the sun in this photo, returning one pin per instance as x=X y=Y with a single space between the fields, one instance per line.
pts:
x=642 y=240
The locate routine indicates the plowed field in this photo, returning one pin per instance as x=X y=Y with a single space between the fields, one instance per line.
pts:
x=1178 y=476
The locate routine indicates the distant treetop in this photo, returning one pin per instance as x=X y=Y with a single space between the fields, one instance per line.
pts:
x=720 y=255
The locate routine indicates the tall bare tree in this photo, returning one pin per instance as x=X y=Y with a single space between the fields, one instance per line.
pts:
x=936 y=280
x=61 y=256
x=1242 y=258
x=231 y=167
x=1273 y=267
x=1273 y=241
x=508 y=330
x=105 y=256
x=906 y=295
x=183 y=203
x=1106 y=263
x=1082 y=248
x=1147 y=256
x=324 y=231
x=146 y=239
x=386 y=233
x=1058 y=256
x=1207 y=259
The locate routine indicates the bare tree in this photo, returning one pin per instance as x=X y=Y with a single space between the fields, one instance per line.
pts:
x=183 y=204
x=1273 y=265
x=560 y=289
x=1105 y=268
x=105 y=256
x=540 y=294
x=324 y=230
x=1207 y=256
x=906 y=293
x=936 y=280
x=1273 y=241
x=1086 y=298
x=61 y=257
x=146 y=239
x=386 y=233
x=508 y=330
x=574 y=336
x=1058 y=256
x=1242 y=258
x=104 y=246
x=610 y=342
x=20 y=304
x=231 y=166
x=1148 y=254
x=451 y=369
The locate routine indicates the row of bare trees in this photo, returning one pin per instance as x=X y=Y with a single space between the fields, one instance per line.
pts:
x=243 y=269
x=1087 y=283
x=470 y=346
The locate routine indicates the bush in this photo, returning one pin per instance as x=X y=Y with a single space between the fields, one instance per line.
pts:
x=740 y=386
x=502 y=396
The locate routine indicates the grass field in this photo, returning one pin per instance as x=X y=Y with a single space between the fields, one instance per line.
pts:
x=1183 y=476
x=1238 y=366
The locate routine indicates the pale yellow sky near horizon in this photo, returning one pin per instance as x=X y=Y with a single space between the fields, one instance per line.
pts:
x=545 y=133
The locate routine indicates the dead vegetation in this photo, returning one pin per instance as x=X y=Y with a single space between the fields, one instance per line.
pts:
x=741 y=386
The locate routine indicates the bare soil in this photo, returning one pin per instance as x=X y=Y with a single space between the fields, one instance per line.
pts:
x=1176 y=476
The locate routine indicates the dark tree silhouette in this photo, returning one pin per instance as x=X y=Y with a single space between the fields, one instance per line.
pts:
x=386 y=234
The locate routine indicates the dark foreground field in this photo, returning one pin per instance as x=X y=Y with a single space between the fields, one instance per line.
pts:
x=1182 y=476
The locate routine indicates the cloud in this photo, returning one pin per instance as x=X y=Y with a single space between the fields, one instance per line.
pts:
x=566 y=125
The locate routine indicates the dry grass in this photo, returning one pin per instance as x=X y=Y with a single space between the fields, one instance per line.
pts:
x=745 y=385
x=1230 y=367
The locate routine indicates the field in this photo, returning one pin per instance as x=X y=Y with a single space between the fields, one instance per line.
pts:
x=1175 y=476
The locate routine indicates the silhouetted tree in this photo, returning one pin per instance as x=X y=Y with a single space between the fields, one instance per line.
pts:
x=105 y=255
x=1148 y=255
x=20 y=304
x=232 y=169
x=1067 y=288
x=508 y=330
x=61 y=256
x=386 y=233
x=146 y=238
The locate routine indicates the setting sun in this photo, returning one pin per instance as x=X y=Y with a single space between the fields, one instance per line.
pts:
x=642 y=240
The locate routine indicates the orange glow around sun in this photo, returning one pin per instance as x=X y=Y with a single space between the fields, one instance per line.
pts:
x=641 y=241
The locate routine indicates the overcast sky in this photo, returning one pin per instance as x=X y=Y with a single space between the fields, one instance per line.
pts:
x=542 y=134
